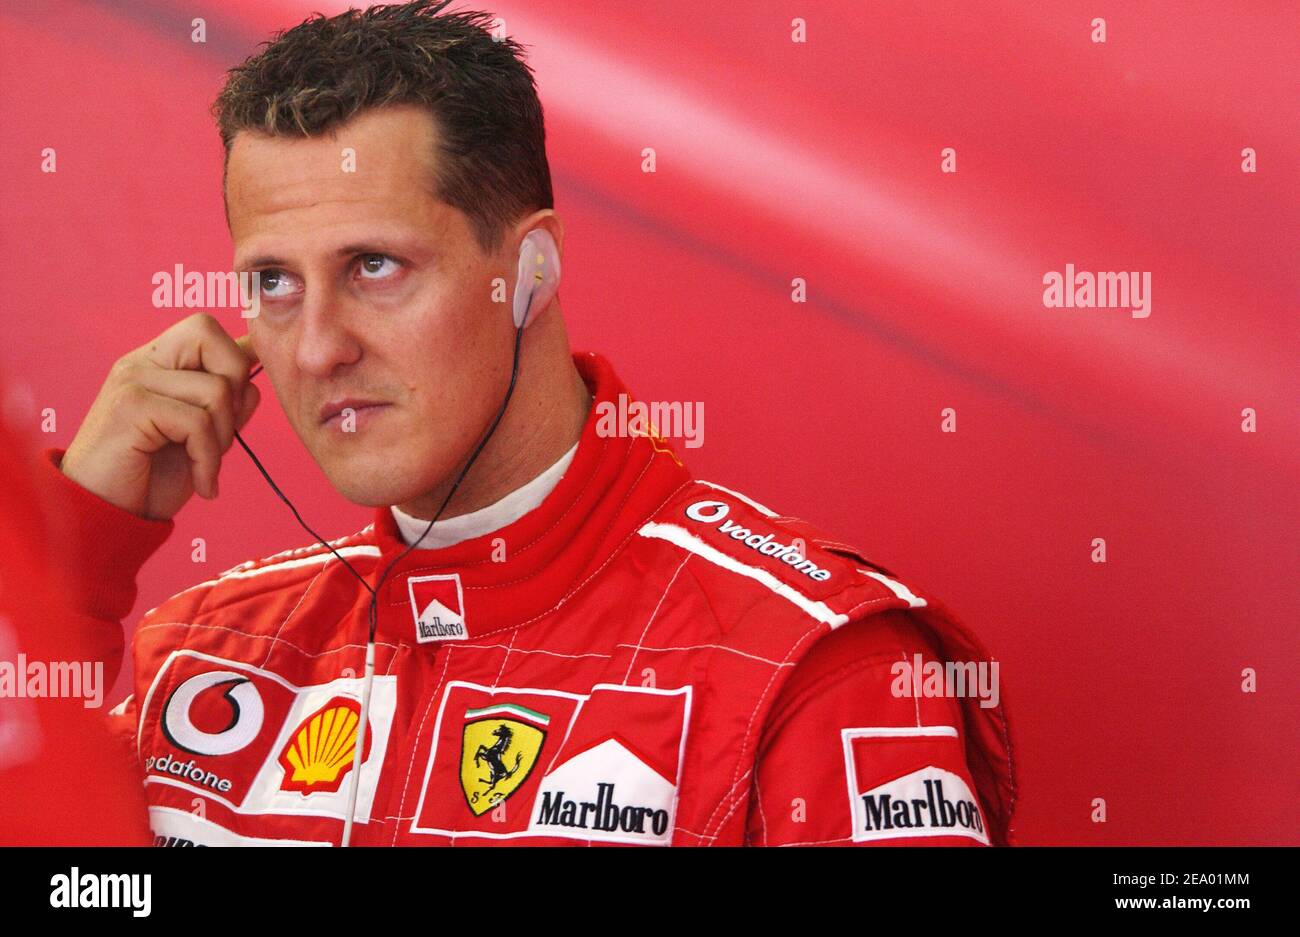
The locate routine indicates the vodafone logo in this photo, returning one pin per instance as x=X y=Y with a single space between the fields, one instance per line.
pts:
x=247 y=714
x=715 y=512
x=258 y=744
x=707 y=512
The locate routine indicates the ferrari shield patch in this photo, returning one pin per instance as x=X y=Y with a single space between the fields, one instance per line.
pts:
x=499 y=747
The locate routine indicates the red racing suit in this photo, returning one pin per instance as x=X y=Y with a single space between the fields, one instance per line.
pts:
x=645 y=658
x=54 y=739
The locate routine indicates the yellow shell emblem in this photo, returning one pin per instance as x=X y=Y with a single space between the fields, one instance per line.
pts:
x=321 y=749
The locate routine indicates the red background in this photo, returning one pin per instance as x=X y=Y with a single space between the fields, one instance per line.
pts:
x=821 y=160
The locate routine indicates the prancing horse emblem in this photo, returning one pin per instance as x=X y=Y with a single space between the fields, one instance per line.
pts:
x=498 y=754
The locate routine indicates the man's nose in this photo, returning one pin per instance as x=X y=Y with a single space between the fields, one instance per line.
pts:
x=325 y=341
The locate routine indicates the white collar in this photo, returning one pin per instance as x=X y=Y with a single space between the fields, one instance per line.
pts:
x=509 y=509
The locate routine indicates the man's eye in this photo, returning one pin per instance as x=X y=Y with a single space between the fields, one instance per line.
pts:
x=276 y=284
x=377 y=266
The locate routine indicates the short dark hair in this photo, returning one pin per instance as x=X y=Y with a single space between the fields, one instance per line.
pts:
x=479 y=91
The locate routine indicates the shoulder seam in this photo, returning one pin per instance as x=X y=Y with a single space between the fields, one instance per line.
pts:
x=827 y=547
x=250 y=568
x=921 y=645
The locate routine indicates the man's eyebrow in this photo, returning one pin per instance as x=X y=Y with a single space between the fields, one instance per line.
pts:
x=379 y=245
x=263 y=260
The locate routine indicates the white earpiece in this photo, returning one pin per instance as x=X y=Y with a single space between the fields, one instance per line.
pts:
x=538 y=277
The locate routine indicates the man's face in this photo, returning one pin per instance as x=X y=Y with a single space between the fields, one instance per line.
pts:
x=372 y=291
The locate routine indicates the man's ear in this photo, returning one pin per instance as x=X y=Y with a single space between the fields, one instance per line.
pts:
x=542 y=218
x=537 y=277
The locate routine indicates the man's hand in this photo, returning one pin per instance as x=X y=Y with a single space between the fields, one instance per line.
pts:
x=166 y=414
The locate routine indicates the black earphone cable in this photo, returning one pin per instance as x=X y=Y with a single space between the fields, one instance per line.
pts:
x=373 y=610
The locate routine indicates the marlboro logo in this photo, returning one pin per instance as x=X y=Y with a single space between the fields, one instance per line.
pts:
x=437 y=606
x=919 y=805
x=933 y=800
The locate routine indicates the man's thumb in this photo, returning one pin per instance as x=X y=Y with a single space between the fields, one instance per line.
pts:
x=252 y=396
x=245 y=343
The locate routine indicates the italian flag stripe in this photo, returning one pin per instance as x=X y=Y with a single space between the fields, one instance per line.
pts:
x=512 y=709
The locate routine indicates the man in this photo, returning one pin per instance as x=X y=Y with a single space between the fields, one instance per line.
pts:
x=551 y=634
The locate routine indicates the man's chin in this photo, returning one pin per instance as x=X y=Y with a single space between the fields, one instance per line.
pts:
x=382 y=484
x=366 y=486
x=369 y=495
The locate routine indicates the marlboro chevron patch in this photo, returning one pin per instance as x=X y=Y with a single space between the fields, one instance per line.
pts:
x=437 y=605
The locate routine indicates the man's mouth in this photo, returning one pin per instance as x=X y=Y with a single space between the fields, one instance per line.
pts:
x=336 y=411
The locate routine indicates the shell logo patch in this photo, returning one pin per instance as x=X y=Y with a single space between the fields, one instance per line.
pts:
x=248 y=739
x=499 y=748
x=321 y=750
